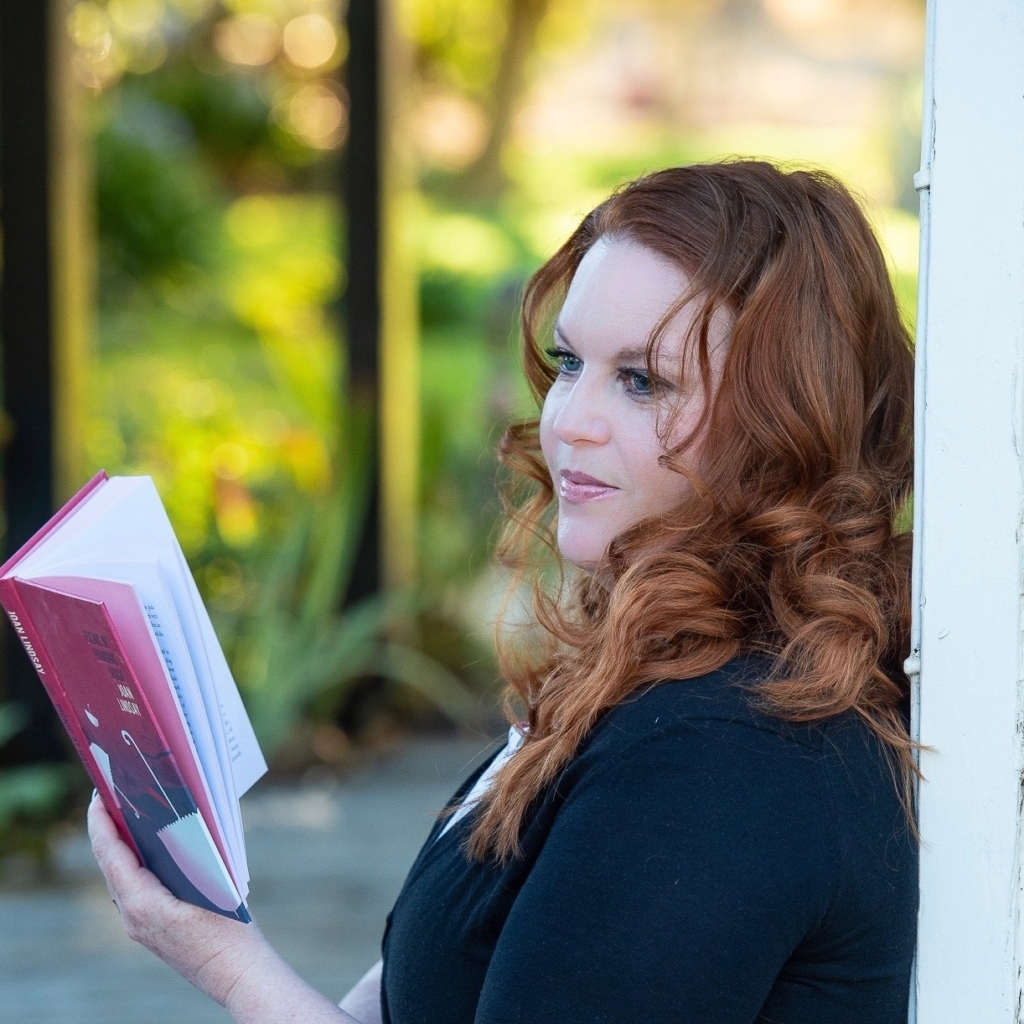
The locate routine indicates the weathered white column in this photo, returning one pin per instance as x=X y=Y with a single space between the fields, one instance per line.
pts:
x=969 y=496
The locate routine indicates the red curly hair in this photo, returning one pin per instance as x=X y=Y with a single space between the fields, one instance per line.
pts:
x=787 y=543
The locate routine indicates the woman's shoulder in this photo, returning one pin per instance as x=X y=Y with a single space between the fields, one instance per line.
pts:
x=727 y=696
x=699 y=754
x=712 y=728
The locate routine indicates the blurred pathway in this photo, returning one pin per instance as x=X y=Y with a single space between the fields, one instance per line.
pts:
x=327 y=861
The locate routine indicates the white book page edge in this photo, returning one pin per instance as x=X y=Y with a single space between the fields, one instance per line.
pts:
x=247 y=761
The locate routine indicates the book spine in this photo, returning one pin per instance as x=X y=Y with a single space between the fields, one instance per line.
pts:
x=29 y=637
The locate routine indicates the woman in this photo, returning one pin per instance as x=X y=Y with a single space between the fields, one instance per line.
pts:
x=706 y=814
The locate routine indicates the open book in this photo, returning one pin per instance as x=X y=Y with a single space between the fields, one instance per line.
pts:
x=109 y=614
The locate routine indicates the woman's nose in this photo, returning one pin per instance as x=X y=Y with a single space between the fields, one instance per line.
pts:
x=581 y=418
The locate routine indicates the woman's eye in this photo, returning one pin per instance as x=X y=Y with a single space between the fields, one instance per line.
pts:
x=640 y=383
x=565 y=361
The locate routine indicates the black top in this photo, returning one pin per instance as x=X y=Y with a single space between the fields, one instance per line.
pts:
x=696 y=862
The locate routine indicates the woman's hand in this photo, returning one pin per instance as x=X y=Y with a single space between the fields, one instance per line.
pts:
x=213 y=952
x=231 y=962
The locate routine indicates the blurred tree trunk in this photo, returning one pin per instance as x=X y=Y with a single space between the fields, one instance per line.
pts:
x=361 y=302
x=485 y=179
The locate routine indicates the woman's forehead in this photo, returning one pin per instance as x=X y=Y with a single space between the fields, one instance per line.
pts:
x=618 y=296
x=623 y=285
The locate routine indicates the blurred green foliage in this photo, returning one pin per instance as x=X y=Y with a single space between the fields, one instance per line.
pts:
x=228 y=115
x=220 y=370
x=30 y=795
x=227 y=391
x=155 y=203
x=296 y=655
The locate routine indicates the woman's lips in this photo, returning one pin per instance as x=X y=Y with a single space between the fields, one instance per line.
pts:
x=577 y=488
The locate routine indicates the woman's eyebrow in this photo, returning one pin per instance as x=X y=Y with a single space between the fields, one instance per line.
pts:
x=631 y=355
x=626 y=355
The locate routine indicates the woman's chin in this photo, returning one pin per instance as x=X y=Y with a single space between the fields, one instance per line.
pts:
x=581 y=545
x=584 y=559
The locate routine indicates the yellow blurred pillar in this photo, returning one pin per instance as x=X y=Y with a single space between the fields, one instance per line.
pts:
x=399 y=328
x=71 y=254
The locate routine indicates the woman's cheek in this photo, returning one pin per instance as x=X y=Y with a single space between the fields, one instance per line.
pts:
x=669 y=489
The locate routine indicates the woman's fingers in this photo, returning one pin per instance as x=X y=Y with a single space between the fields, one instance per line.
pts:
x=115 y=857
x=136 y=892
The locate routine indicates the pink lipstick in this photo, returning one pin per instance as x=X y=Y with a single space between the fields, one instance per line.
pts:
x=576 y=487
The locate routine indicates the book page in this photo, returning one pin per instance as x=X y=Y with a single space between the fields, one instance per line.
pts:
x=247 y=762
x=93 y=507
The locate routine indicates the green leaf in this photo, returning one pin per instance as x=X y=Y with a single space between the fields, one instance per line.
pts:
x=283 y=571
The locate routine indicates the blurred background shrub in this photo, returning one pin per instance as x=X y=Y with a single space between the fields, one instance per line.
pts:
x=32 y=796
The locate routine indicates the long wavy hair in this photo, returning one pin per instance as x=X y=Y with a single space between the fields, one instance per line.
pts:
x=787 y=542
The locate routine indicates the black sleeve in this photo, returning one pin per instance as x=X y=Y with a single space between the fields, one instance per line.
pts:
x=675 y=883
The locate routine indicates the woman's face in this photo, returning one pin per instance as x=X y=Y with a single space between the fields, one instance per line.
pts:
x=598 y=425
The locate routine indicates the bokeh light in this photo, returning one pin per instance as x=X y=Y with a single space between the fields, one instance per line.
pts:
x=89 y=27
x=450 y=130
x=248 y=39
x=318 y=115
x=310 y=40
x=136 y=17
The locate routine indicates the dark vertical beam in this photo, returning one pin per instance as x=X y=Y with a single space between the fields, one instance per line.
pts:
x=362 y=195
x=26 y=325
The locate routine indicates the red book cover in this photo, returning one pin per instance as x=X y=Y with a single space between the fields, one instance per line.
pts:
x=89 y=674
x=128 y=618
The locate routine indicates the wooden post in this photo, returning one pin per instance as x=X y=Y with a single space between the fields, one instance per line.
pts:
x=969 y=496
x=380 y=300
x=362 y=199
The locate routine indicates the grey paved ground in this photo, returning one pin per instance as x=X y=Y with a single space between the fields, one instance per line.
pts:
x=327 y=861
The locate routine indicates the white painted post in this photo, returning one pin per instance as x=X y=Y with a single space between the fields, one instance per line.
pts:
x=969 y=497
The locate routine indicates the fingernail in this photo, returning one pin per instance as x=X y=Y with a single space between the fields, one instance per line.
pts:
x=95 y=793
